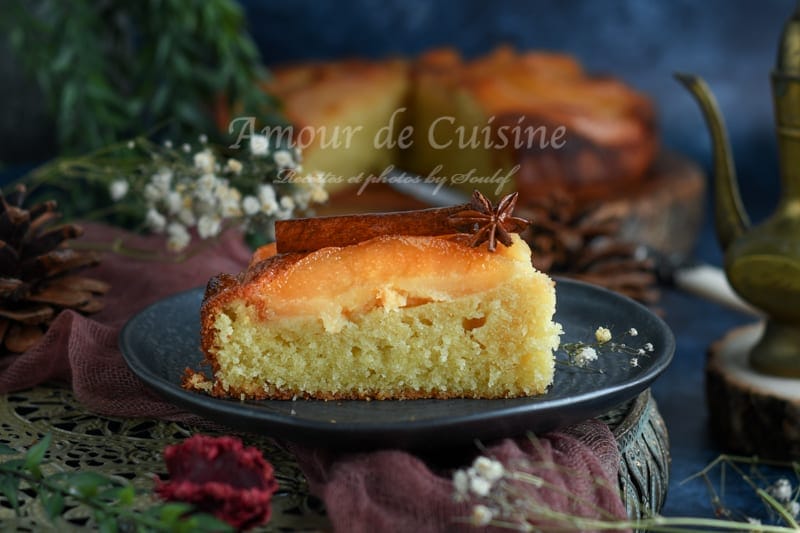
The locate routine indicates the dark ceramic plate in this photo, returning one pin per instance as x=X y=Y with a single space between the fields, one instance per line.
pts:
x=161 y=341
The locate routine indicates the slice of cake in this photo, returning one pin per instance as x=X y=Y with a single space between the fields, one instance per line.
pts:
x=394 y=316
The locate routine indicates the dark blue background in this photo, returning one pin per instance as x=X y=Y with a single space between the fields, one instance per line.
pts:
x=732 y=44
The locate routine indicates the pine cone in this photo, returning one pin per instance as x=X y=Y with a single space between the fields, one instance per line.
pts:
x=584 y=245
x=36 y=266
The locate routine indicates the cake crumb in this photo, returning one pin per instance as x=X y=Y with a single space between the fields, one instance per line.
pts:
x=196 y=381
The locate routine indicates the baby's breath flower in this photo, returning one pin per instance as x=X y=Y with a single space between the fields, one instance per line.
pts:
x=649 y=347
x=204 y=161
x=173 y=202
x=234 y=166
x=640 y=351
x=266 y=195
x=481 y=516
x=229 y=202
x=781 y=490
x=461 y=482
x=155 y=220
x=251 y=205
x=793 y=507
x=162 y=179
x=602 y=335
x=283 y=214
x=131 y=145
x=178 y=237
x=479 y=486
x=152 y=193
x=207 y=182
x=283 y=159
x=287 y=202
x=634 y=362
x=186 y=148
x=259 y=145
x=168 y=144
x=586 y=355
x=186 y=217
x=633 y=332
x=489 y=469
x=204 y=205
x=118 y=189
x=208 y=226
x=203 y=138
x=319 y=195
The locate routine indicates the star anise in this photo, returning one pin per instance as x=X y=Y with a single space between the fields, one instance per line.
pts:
x=488 y=223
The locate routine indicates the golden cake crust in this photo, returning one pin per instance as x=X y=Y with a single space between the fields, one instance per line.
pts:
x=280 y=276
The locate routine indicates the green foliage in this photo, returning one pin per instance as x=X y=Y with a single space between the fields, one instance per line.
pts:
x=109 y=500
x=114 y=68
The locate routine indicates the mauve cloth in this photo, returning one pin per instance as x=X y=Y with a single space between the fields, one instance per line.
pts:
x=386 y=490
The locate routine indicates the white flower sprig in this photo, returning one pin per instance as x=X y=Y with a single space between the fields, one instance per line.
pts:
x=509 y=496
x=582 y=354
x=192 y=191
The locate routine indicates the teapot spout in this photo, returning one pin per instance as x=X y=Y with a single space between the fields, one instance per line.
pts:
x=730 y=217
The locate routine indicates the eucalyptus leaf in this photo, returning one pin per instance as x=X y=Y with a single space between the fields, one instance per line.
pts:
x=9 y=485
x=35 y=454
x=5 y=449
x=87 y=484
x=52 y=502
x=171 y=513
x=107 y=524
x=207 y=522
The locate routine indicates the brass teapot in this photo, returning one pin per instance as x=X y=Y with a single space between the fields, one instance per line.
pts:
x=763 y=262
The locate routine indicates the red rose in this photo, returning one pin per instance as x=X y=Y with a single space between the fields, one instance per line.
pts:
x=218 y=475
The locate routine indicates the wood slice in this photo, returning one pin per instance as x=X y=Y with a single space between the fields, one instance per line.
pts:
x=664 y=211
x=751 y=413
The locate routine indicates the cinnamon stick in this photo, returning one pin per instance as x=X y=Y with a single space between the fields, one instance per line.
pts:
x=310 y=234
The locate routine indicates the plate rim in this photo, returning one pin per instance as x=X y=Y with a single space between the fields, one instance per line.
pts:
x=197 y=403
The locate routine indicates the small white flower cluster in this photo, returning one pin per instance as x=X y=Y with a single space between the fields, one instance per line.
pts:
x=204 y=194
x=176 y=204
x=602 y=334
x=582 y=354
x=784 y=494
x=478 y=480
x=585 y=355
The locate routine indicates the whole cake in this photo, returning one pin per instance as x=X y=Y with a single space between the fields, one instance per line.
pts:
x=495 y=116
x=403 y=316
x=536 y=116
